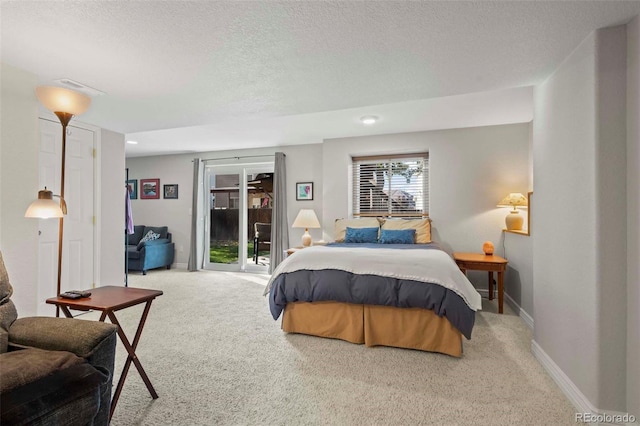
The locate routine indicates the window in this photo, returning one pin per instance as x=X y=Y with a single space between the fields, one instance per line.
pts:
x=393 y=185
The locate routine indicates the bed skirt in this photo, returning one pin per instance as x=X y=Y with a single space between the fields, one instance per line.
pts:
x=410 y=328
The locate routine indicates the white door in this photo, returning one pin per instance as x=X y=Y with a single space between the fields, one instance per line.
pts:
x=78 y=237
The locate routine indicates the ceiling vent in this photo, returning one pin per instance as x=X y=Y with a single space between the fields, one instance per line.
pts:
x=74 y=85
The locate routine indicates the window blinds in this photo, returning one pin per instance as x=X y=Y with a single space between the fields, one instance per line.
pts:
x=394 y=185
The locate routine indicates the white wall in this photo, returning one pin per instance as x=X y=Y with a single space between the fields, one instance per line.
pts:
x=19 y=184
x=303 y=162
x=519 y=282
x=471 y=170
x=579 y=256
x=20 y=148
x=633 y=217
x=111 y=214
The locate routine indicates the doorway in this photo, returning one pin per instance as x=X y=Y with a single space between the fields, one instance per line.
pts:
x=239 y=217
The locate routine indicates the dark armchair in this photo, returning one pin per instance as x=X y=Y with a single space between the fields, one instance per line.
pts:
x=144 y=255
x=55 y=371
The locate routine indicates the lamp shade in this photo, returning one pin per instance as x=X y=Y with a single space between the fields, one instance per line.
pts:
x=306 y=219
x=515 y=199
x=45 y=207
x=59 y=99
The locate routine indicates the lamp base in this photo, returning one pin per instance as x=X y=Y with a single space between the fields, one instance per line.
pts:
x=514 y=221
x=306 y=238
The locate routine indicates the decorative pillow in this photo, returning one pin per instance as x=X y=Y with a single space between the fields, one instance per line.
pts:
x=421 y=226
x=162 y=230
x=361 y=235
x=341 y=226
x=149 y=237
x=397 y=236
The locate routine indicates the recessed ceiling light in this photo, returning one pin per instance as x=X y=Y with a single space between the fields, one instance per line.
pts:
x=369 y=119
x=132 y=142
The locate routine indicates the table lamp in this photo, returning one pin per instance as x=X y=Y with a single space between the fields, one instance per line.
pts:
x=514 y=200
x=306 y=219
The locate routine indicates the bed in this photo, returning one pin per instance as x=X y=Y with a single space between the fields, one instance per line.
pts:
x=401 y=295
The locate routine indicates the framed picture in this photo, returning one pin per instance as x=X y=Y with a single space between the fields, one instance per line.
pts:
x=149 y=189
x=171 y=191
x=304 y=191
x=132 y=186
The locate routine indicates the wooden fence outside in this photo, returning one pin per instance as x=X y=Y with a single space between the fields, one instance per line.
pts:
x=225 y=223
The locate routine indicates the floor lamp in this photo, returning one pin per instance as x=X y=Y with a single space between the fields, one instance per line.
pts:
x=64 y=103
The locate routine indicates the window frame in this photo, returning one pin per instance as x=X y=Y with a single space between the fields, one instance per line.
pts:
x=389 y=210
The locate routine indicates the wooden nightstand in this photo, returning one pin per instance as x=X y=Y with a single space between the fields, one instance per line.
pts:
x=292 y=250
x=482 y=262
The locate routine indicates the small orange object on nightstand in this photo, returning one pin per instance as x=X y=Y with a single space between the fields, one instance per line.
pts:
x=487 y=248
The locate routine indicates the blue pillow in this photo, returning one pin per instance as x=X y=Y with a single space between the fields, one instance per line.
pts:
x=361 y=235
x=397 y=236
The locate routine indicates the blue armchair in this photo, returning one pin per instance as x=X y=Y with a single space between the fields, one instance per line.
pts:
x=145 y=255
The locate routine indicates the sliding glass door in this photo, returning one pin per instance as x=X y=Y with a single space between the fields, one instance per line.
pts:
x=239 y=219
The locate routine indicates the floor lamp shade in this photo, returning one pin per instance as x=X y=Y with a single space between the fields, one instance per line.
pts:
x=59 y=99
x=45 y=207
x=514 y=219
x=306 y=219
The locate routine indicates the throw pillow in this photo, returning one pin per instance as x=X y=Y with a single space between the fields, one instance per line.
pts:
x=361 y=235
x=149 y=237
x=341 y=226
x=422 y=227
x=397 y=236
x=162 y=230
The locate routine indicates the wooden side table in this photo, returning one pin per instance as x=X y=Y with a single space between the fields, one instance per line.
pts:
x=108 y=300
x=482 y=262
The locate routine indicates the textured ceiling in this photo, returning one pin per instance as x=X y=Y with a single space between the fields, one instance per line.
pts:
x=166 y=65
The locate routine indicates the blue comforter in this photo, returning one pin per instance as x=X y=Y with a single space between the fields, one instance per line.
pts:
x=342 y=286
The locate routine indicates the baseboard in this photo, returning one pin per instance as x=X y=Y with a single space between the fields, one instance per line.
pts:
x=565 y=384
x=571 y=391
x=179 y=265
x=528 y=320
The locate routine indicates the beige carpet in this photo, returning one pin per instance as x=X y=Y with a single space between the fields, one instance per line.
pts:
x=215 y=356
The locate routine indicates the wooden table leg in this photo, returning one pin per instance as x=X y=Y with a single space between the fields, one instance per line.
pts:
x=132 y=357
x=490 y=285
x=65 y=311
x=500 y=290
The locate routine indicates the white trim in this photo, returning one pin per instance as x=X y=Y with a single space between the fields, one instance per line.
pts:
x=179 y=265
x=571 y=391
x=528 y=320
x=577 y=398
x=97 y=208
x=484 y=293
